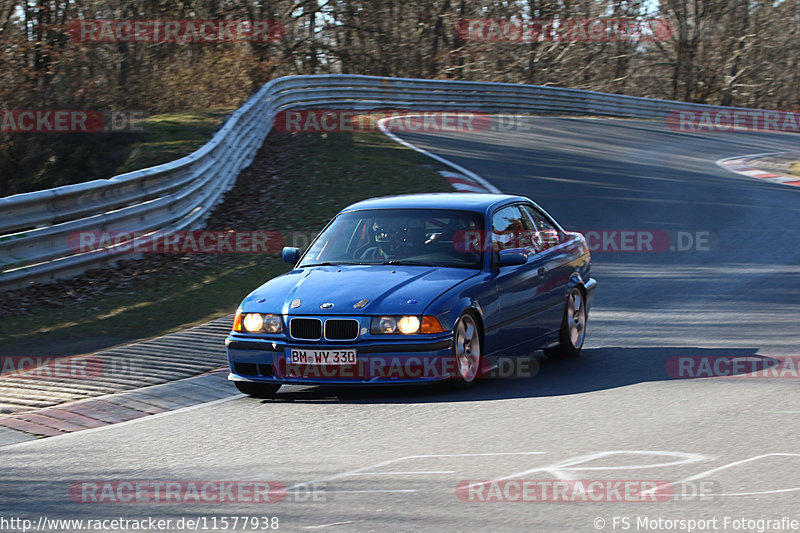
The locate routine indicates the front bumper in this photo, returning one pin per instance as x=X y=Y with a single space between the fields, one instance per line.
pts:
x=384 y=362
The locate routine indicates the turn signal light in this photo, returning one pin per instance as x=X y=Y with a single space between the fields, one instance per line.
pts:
x=430 y=325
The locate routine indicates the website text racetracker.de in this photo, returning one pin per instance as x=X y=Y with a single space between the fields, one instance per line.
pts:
x=70 y=121
x=399 y=121
x=396 y=367
x=176 y=31
x=649 y=241
x=597 y=240
x=195 y=523
x=560 y=490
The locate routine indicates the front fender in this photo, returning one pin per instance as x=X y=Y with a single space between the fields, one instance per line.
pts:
x=474 y=293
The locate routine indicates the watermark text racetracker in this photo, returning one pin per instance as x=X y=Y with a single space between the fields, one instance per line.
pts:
x=306 y=364
x=162 y=492
x=566 y=30
x=66 y=368
x=398 y=120
x=70 y=121
x=735 y=120
x=690 y=525
x=584 y=491
x=176 y=31
x=177 y=242
x=722 y=366
x=597 y=240
x=629 y=240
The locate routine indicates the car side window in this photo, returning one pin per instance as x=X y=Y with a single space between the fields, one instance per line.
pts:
x=547 y=235
x=512 y=229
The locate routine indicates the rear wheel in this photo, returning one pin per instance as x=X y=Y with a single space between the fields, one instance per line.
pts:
x=573 y=327
x=257 y=390
x=466 y=351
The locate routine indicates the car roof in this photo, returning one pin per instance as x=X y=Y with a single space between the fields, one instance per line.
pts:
x=480 y=202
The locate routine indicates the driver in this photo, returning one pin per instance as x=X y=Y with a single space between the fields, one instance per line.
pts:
x=392 y=237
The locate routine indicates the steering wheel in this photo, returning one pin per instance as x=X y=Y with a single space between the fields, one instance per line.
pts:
x=368 y=251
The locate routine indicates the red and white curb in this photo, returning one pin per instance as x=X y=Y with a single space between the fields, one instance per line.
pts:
x=121 y=407
x=462 y=183
x=741 y=165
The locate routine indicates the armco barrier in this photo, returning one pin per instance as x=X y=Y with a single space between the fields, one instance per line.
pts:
x=178 y=195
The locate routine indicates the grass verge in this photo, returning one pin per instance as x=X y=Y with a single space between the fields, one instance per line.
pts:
x=171 y=136
x=314 y=178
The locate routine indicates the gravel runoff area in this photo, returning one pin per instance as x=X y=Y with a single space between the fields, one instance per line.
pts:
x=786 y=163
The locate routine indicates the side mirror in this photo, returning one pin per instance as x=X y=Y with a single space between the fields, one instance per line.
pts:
x=512 y=256
x=291 y=255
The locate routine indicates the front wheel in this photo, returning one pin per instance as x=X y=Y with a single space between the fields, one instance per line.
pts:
x=573 y=327
x=466 y=351
x=257 y=390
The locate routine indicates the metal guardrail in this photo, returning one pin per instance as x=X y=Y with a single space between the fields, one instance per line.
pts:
x=34 y=227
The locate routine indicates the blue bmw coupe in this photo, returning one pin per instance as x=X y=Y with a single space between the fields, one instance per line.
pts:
x=415 y=289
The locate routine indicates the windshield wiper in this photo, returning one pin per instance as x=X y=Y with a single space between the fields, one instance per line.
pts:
x=409 y=263
x=330 y=263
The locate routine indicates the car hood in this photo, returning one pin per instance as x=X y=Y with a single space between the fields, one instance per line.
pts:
x=389 y=289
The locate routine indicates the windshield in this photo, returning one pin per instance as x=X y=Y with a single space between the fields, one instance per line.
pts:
x=396 y=236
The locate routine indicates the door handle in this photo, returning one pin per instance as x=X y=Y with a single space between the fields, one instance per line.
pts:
x=542 y=271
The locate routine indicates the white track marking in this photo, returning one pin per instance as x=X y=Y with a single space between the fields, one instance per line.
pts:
x=489 y=187
x=371 y=491
x=737 y=463
x=332 y=524
x=701 y=475
x=563 y=469
x=752 y=173
x=777 y=491
x=403 y=473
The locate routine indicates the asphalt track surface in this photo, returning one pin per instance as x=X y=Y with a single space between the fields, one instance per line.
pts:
x=390 y=459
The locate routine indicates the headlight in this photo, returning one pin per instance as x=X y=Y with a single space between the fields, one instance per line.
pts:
x=408 y=325
x=404 y=325
x=258 y=323
x=273 y=324
x=253 y=322
x=383 y=325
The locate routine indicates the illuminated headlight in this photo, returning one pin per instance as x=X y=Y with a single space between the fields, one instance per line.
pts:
x=408 y=325
x=259 y=323
x=404 y=325
x=253 y=322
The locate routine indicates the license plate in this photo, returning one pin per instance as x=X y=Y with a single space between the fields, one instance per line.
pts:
x=321 y=357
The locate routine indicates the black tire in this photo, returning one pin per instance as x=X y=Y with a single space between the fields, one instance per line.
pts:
x=466 y=350
x=257 y=390
x=573 y=327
